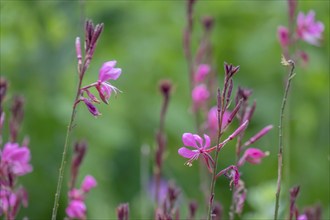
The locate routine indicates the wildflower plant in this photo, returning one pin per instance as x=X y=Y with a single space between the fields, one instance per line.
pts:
x=107 y=72
x=302 y=27
x=14 y=158
x=76 y=206
x=218 y=119
x=202 y=147
x=310 y=31
x=221 y=112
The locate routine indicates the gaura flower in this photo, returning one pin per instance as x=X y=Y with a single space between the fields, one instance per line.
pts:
x=76 y=210
x=201 y=73
x=15 y=159
x=76 y=194
x=107 y=72
x=308 y=29
x=302 y=217
x=201 y=148
x=212 y=120
x=253 y=156
x=200 y=94
x=10 y=201
x=88 y=183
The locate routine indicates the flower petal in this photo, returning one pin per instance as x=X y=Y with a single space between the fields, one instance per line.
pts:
x=187 y=153
x=88 y=183
x=207 y=143
x=199 y=140
x=189 y=140
x=108 y=71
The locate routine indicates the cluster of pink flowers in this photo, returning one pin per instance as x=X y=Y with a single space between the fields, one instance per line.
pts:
x=107 y=72
x=195 y=146
x=200 y=93
x=77 y=207
x=307 y=29
x=14 y=160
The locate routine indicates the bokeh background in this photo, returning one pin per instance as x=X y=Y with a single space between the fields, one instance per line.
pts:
x=145 y=37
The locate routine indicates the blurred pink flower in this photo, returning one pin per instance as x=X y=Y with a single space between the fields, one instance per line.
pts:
x=10 y=201
x=195 y=141
x=15 y=159
x=200 y=94
x=252 y=155
x=308 y=29
x=88 y=183
x=302 y=217
x=7 y=199
x=283 y=36
x=76 y=194
x=212 y=120
x=107 y=72
x=76 y=209
x=163 y=185
x=201 y=73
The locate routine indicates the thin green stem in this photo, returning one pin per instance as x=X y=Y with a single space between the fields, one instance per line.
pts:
x=280 y=149
x=65 y=149
x=214 y=176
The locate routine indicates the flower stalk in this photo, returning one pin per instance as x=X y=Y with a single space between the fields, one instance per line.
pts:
x=281 y=147
x=92 y=35
x=214 y=175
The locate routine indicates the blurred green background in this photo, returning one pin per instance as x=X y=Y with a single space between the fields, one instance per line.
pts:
x=145 y=37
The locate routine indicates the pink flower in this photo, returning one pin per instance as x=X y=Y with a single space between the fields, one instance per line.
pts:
x=76 y=194
x=200 y=94
x=283 y=36
x=212 y=120
x=15 y=159
x=195 y=141
x=201 y=73
x=308 y=29
x=10 y=201
x=302 y=217
x=88 y=183
x=76 y=209
x=252 y=155
x=7 y=199
x=107 y=72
